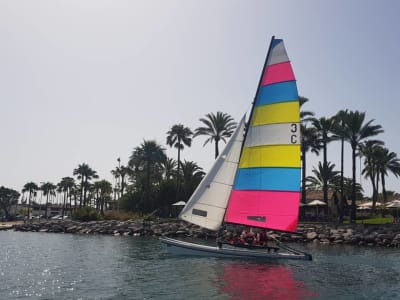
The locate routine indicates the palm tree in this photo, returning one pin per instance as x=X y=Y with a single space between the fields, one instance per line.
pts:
x=338 y=134
x=324 y=127
x=371 y=151
x=192 y=175
x=121 y=172
x=389 y=162
x=178 y=137
x=103 y=190
x=169 y=166
x=48 y=190
x=147 y=159
x=309 y=142
x=355 y=130
x=217 y=127
x=32 y=188
x=323 y=175
x=84 y=174
x=65 y=186
x=8 y=198
x=305 y=115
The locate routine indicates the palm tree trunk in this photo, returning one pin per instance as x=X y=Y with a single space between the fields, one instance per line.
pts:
x=47 y=205
x=303 y=177
x=216 y=148
x=81 y=198
x=341 y=210
x=85 y=193
x=375 y=199
x=64 y=202
x=325 y=182
x=178 y=174
x=374 y=192
x=29 y=205
x=384 y=194
x=353 y=189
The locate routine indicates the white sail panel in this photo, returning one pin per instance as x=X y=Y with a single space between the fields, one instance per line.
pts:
x=273 y=134
x=206 y=207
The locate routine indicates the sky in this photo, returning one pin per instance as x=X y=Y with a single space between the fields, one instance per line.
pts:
x=88 y=81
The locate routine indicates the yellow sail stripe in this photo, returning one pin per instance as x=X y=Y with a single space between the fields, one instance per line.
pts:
x=271 y=156
x=285 y=112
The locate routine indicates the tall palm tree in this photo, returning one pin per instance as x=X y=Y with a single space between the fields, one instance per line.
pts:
x=217 y=127
x=338 y=134
x=31 y=188
x=120 y=173
x=147 y=159
x=178 y=137
x=65 y=186
x=356 y=130
x=48 y=190
x=305 y=115
x=389 y=162
x=309 y=142
x=324 y=128
x=84 y=173
x=371 y=151
x=103 y=190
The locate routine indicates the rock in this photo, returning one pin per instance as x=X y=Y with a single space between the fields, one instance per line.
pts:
x=312 y=235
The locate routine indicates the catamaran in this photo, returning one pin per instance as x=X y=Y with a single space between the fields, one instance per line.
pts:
x=255 y=181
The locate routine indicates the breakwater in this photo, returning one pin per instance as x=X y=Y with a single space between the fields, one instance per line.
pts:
x=329 y=234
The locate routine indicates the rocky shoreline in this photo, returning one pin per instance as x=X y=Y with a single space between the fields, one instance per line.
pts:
x=328 y=234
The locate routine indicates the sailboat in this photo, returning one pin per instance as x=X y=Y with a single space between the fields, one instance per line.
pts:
x=255 y=181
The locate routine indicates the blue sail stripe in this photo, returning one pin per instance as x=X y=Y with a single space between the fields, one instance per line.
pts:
x=277 y=92
x=271 y=179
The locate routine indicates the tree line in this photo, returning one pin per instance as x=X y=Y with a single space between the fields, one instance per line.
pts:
x=151 y=181
x=350 y=127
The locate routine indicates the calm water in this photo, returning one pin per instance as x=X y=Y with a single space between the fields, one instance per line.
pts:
x=63 y=266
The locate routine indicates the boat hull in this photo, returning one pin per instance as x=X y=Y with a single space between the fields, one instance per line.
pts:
x=178 y=247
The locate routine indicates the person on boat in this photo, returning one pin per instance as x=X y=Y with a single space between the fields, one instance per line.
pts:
x=247 y=237
x=261 y=237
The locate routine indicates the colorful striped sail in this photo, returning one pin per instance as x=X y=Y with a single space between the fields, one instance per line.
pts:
x=266 y=190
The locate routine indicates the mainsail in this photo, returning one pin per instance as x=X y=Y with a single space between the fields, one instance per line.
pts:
x=266 y=191
x=206 y=207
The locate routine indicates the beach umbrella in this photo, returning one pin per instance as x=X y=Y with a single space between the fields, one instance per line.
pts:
x=369 y=204
x=394 y=204
x=363 y=208
x=316 y=203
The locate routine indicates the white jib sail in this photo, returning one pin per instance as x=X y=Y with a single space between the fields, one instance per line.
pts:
x=206 y=207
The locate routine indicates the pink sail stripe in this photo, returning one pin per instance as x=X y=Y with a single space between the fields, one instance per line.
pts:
x=280 y=209
x=278 y=73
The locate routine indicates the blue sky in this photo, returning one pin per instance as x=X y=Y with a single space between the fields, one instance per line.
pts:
x=88 y=81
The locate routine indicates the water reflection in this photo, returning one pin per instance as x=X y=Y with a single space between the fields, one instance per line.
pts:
x=262 y=281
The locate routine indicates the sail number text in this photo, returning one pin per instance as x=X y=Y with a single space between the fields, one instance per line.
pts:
x=293 y=133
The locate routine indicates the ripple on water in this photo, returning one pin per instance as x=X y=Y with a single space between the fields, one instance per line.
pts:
x=63 y=266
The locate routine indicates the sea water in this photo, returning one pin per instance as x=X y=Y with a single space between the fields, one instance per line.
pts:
x=66 y=266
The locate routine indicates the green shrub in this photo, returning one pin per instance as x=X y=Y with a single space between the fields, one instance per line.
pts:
x=86 y=214
x=121 y=215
